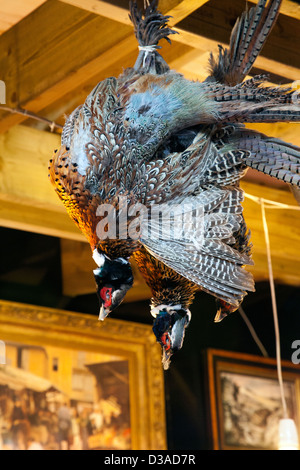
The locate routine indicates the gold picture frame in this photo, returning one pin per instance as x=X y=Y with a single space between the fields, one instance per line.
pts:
x=245 y=402
x=60 y=334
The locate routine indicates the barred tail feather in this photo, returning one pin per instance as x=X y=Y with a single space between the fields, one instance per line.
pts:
x=246 y=42
x=275 y=113
x=251 y=101
x=269 y=155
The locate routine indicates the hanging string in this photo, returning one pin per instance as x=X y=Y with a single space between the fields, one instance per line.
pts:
x=253 y=332
x=32 y=115
x=271 y=204
x=274 y=307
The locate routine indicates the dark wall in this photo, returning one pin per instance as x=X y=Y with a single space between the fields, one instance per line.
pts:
x=30 y=272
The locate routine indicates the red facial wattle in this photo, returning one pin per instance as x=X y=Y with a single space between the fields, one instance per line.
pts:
x=105 y=294
x=165 y=339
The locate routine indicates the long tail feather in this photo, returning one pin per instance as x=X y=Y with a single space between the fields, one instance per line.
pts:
x=251 y=101
x=246 y=42
x=269 y=155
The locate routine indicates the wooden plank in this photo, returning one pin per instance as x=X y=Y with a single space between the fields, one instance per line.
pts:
x=34 y=219
x=193 y=65
x=13 y=11
x=284 y=271
x=80 y=82
x=178 y=9
x=264 y=64
x=34 y=81
x=118 y=10
x=289 y=132
x=183 y=9
x=27 y=199
x=24 y=157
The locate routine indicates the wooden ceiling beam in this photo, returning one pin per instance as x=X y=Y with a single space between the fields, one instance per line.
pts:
x=24 y=157
x=287 y=131
x=117 y=10
x=32 y=218
x=215 y=23
x=13 y=11
x=38 y=72
x=27 y=199
x=284 y=234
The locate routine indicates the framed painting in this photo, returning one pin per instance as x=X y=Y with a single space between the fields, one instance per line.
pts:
x=245 y=400
x=69 y=381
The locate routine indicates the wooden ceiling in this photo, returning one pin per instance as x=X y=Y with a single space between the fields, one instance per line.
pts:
x=52 y=53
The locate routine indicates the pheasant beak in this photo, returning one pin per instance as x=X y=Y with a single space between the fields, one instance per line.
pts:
x=110 y=298
x=166 y=358
x=103 y=313
x=113 y=279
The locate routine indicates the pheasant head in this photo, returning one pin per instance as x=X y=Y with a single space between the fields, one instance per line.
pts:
x=113 y=279
x=169 y=328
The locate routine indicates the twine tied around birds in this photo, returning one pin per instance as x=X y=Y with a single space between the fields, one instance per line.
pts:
x=148 y=50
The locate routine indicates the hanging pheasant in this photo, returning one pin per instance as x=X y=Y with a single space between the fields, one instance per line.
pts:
x=151 y=137
x=171 y=294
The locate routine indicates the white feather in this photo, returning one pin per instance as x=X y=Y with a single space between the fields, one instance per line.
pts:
x=98 y=258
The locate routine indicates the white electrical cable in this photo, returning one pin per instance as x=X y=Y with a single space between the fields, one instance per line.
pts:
x=274 y=307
